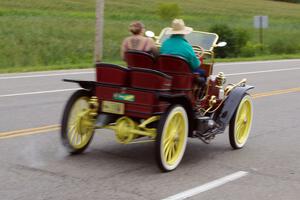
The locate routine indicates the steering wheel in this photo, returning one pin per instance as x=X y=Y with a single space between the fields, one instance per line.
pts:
x=198 y=50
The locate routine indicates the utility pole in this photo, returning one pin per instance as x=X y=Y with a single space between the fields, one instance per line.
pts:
x=98 y=54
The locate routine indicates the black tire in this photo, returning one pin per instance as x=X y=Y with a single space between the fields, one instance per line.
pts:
x=73 y=149
x=240 y=123
x=171 y=142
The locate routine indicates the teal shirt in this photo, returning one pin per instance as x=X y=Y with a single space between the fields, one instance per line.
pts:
x=179 y=46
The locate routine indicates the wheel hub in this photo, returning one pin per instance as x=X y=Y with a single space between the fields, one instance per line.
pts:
x=176 y=138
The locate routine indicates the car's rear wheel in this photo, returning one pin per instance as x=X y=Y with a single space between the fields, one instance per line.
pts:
x=172 y=138
x=240 y=123
x=77 y=127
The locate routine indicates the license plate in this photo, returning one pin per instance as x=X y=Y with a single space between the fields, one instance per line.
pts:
x=124 y=97
x=113 y=107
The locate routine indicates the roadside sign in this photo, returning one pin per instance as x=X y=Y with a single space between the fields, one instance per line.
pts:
x=261 y=21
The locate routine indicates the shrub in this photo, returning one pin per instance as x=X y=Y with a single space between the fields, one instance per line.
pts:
x=281 y=46
x=168 y=11
x=241 y=37
x=236 y=39
x=289 y=1
x=251 y=49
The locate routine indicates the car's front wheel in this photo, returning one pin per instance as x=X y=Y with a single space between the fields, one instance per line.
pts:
x=240 y=123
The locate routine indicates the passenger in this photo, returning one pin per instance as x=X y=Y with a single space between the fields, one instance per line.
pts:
x=138 y=41
x=177 y=45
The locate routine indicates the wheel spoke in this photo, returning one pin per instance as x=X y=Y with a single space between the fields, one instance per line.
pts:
x=240 y=134
x=242 y=109
x=73 y=134
x=172 y=151
x=168 y=153
x=180 y=130
x=243 y=122
x=78 y=139
x=176 y=121
x=167 y=139
x=83 y=137
x=239 y=123
x=167 y=146
x=76 y=109
x=74 y=141
x=241 y=117
x=238 y=128
x=174 y=148
x=169 y=131
x=72 y=127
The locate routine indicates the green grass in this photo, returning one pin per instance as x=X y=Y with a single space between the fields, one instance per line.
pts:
x=56 y=34
x=119 y=62
x=260 y=57
x=44 y=68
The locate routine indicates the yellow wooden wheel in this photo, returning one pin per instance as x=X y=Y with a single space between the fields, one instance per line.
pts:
x=77 y=125
x=240 y=124
x=171 y=138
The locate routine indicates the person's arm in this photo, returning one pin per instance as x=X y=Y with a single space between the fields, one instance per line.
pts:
x=195 y=63
x=194 y=60
x=153 y=47
x=124 y=48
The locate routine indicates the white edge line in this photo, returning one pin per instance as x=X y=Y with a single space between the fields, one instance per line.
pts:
x=77 y=73
x=207 y=186
x=44 y=75
x=64 y=90
x=257 y=62
x=40 y=92
x=87 y=71
x=265 y=71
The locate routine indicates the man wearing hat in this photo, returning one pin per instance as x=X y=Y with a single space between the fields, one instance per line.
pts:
x=179 y=46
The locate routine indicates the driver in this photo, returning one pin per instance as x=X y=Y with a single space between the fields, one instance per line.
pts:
x=177 y=45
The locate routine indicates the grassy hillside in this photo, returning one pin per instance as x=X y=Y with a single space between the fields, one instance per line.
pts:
x=61 y=32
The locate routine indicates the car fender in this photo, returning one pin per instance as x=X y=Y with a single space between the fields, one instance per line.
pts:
x=230 y=105
x=88 y=85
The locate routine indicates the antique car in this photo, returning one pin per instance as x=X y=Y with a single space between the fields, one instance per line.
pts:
x=159 y=100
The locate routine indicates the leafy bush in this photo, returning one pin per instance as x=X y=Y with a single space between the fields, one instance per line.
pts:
x=168 y=11
x=251 y=49
x=236 y=39
x=289 y=1
x=281 y=46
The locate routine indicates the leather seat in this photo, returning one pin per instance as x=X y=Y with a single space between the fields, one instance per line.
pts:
x=179 y=69
x=139 y=59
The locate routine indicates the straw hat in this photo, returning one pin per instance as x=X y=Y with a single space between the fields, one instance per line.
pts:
x=178 y=28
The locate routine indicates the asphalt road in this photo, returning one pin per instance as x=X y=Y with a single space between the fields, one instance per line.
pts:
x=36 y=166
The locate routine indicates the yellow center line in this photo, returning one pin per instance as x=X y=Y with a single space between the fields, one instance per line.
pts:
x=56 y=127
x=29 y=131
x=275 y=92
